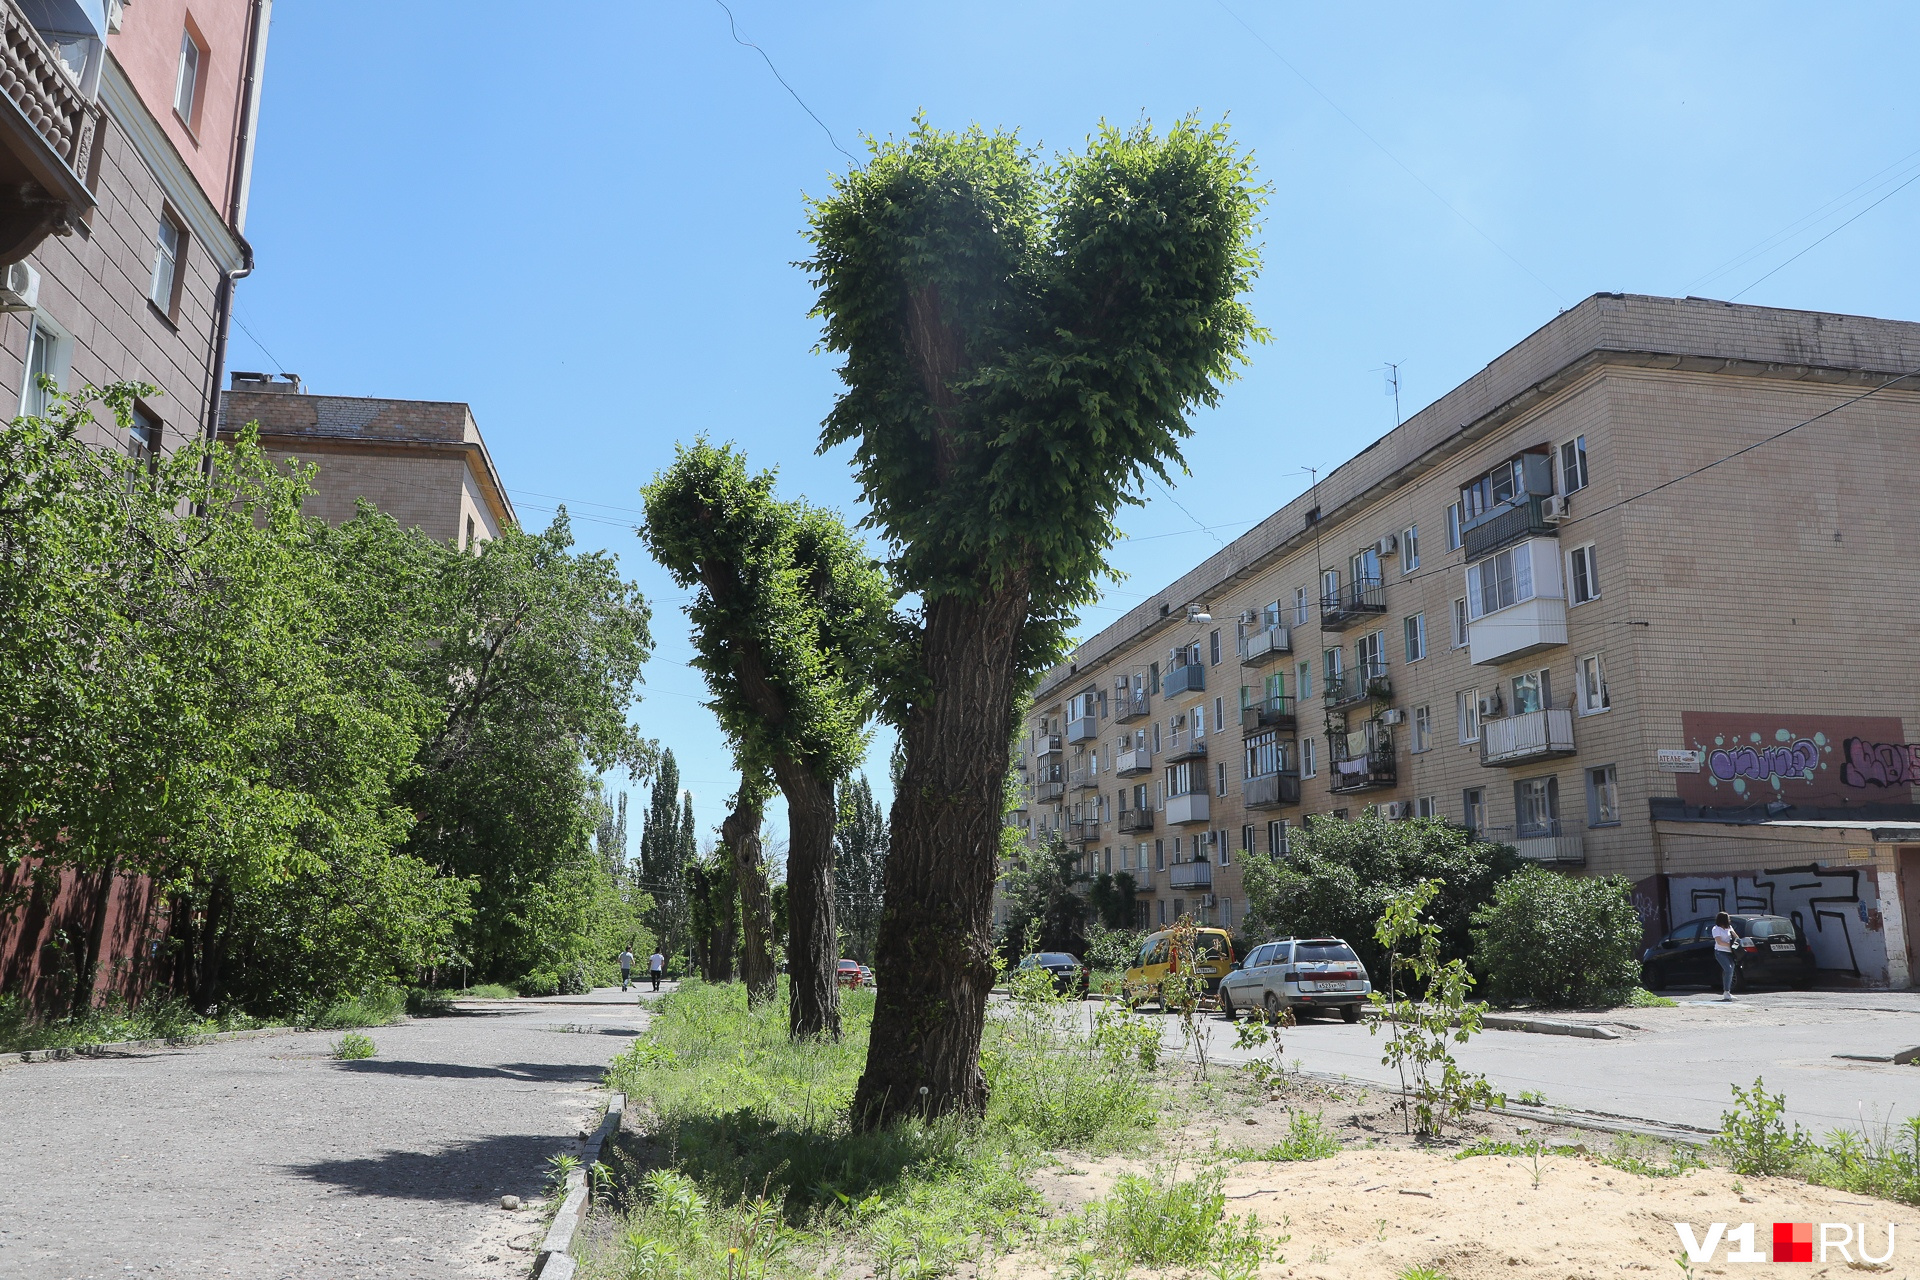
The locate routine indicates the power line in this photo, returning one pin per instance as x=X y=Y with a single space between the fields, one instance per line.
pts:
x=735 y=29
x=1183 y=511
x=1831 y=234
x=1389 y=155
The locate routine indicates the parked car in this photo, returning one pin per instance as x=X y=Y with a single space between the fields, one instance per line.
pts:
x=1070 y=977
x=849 y=975
x=1305 y=975
x=1772 y=950
x=1213 y=960
x=866 y=976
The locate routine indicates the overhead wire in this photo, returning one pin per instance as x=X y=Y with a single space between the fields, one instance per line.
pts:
x=1831 y=234
x=734 y=27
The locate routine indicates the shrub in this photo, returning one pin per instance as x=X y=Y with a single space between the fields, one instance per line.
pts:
x=1753 y=1136
x=379 y=1007
x=1561 y=940
x=352 y=1047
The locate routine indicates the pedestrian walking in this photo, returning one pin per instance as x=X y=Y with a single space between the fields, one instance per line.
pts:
x=626 y=967
x=655 y=963
x=1723 y=942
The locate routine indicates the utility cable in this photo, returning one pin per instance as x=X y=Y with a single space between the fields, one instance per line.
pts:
x=735 y=29
x=1831 y=234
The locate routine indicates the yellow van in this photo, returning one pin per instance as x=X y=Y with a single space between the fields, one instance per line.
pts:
x=1213 y=960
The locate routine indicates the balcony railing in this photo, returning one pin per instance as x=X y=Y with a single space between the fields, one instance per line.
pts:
x=1049 y=792
x=1047 y=744
x=48 y=129
x=1132 y=820
x=1085 y=729
x=1262 y=647
x=1081 y=831
x=1191 y=678
x=1184 y=746
x=1131 y=764
x=1369 y=772
x=1537 y=735
x=1185 y=809
x=1083 y=780
x=1364 y=599
x=1275 y=712
x=1190 y=875
x=1540 y=842
x=1360 y=684
x=1128 y=707
x=1270 y=791
x=1489 y=531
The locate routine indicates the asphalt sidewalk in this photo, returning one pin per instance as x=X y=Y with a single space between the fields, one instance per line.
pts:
x=267 y=1158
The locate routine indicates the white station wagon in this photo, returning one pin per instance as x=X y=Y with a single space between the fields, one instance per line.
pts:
x=1302 y=974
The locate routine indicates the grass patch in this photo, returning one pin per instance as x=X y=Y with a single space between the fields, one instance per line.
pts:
x=352 y=1047
x=1307 y=1139
x=1641 y=998
x=1163 y=1221
x=379 y=1007
x=157 y=1018
x=486 y=991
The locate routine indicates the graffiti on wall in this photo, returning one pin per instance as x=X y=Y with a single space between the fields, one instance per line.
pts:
x=1819 y=760
x=1880 y=764
x=1836 y=909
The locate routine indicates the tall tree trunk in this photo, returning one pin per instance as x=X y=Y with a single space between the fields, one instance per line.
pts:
x=89 y=975
x=935 y=951
x=741 y=834
x=813 y=944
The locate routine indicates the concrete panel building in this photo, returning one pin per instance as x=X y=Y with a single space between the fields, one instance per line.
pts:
x=1633 y=599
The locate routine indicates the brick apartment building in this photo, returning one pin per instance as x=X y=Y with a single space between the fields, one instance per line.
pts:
x=1497 y=615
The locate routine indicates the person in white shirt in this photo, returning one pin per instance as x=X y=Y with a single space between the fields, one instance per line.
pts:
x=655 y=964
x=1724 y=941
x=626 y=966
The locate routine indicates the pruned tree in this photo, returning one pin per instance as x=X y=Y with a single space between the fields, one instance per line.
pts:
x=790 y=620
x=740 y=832
x=1023 y=341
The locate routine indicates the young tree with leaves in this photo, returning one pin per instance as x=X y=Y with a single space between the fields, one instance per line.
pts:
x=789 y=624
x=1023 y=341
x=859 y=867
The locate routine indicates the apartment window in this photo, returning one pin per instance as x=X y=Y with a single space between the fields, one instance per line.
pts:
x=1331 y=662
x=1583 y=575
x=1309 y=766
x=1460 y=622
x=1531 y=692
x=1226 y=913
x=1427 y=807
x=1536 y=807
x=1330 y=589
x=1422 y=729
x=1416 y=629
x=1219 y=714
x=1593 y=685
x=1500 y=581
x=1163 y=911
x=1573 y=465
x=1246 y=838
x=1455 y=518
x=1222 y=849
x=186 y=80
x=1263 y=754
x=1603 y=797
x=1370 y=655
x=1156 y=737
x=169 y=241
x=1366 y=569
x=469 y=533
x=1213 y=647
x=43 y=361
x=1276 y=838
x=1473 y=809
x=1220 y=778
x=1468 y=715
x=1410 y=549
x=1303 y=680
x=1300 y=606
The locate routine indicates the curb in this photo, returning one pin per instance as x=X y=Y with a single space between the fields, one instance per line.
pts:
x=106 y=1048
x=1547 y=1026
x=554 y=1260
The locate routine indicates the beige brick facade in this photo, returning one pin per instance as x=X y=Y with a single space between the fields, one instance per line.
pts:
x=1755 y=612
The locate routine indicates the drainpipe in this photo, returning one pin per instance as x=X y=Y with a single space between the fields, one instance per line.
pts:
x=237 y=205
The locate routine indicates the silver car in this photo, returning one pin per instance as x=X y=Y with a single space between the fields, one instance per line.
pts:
x=1301 y=974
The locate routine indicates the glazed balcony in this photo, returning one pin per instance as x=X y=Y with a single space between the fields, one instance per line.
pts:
x=1537 y=735
x=1360 y=684
x=1361 y=602
x=1276 y=712
x=1263 y=647
x=1131 y=764
x=1133 y=821
x=1185 y=746
x=1187 y=809
x=1190 y=875
x=1085 y=729
x=1271 y=791
x=1047 y=744
x=1128 y=707
x=1191 y=678
x=47 y=125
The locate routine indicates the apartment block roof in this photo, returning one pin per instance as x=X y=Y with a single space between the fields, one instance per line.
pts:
x=1691 y=334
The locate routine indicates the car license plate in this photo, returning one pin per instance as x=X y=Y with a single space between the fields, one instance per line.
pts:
x=1783 y=946
x=1331 y=986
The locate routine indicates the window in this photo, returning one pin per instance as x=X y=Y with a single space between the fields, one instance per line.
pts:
x=1455 y=518
x=1160 y=857
x=1603 y=797
x=1473 y=809
x=43 y=361
x=1246 y=838
x=1366 y=570
x=1531 y=692
x=1219 y=715
x=1300 y=606
x=1370 y=655
x=1410 y=549
x=1163 y=911
x=1422 y=729
x=1330 y=589
x=1583 y=575
x=1303 y=680
x=1264 y=754
x=1225 y=849
x=1277 y=838
x=1460 y=622
x=1427 y=807
x=186 y=81
x=469 y=533
x=169 y=239
x=1226 y=912
x=1500 y=581
x=1153 y=677
x=1309 y=768
x=1536 y=807
x=1156 y=737
x=1573 y=465
x=1220 y=778
x=1416 y=629
x=1331 y=662
x=143 y=438
x=1467 y=713
x=1592 y=680
x=1213 y=646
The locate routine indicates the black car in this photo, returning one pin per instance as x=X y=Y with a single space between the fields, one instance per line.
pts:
x=1070 y=977
x=1770 y=950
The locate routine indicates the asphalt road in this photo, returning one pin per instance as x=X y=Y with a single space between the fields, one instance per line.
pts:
x=267 y=1158
x=1671 y=1066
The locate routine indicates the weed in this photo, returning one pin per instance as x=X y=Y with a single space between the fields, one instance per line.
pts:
x=1634 y=1154
x=156 y=1018
x=1515 y=1150
x=1531 y=1098
x=379 y=1007
x=1641 y=998
x=1753 y=1137
x=352 y=1047
x=1422 y=1273
x=1164 y=1221
x=1263 y=1034
x=1307 y=1139
x=559 y=1168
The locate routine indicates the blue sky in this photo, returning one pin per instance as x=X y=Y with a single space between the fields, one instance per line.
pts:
x=586 y=230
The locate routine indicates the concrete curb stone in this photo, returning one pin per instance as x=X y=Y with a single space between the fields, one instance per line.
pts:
x=554 y=1260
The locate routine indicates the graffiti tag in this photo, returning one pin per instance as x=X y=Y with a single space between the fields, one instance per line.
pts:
x=1764 y=763
x=1881 y=764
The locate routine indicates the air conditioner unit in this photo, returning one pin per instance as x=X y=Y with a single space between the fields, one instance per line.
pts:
x=1249 y=616
x=1397 y=809
x=1491 y=707
x=19 y=287
x=1206 y=900
x=1392 y=715
x=1387 y=546
x=1554 y=509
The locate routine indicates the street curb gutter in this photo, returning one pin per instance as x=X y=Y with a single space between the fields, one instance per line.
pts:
x=554 y=1261
x=1547 y=1026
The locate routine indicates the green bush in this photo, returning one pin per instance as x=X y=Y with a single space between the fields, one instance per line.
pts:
x=1560 y=940
x=352 y=1047
x=379 y=1007
x=158 y=1017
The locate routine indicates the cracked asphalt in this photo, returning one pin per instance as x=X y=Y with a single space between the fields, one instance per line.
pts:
x=267 y=1158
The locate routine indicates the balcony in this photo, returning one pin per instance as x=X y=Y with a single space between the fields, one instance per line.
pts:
x=1370 y=772
x=1083 y=780
x=1185 y=810
x=1085 y=729
x=1135 y=820
x=1047 y=744
x=1131 y=764
x=1262 y=647
x=1081 y=831
x=1185 y=746
x=1275 y=712
x=1490 y=531
x=1517 y=630
x=1049 y=792
x=1128 y=707
x=1360 y=684
x=1271 y=791
x=46 y=128
x=1544 y=843
x=1537 y=735
x=1190 y=875
x=1191 y=678
x=1363 y=600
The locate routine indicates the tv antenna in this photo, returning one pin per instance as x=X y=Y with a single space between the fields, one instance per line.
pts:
x=1392 y=388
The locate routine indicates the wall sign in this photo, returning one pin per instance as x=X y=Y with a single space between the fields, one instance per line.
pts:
x=1800 y=759
x=1671 y=760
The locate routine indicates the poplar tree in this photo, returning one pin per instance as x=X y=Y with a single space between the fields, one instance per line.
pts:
x=1023 y=340
x=859 y=867
x=740 y=833
x=790 y=618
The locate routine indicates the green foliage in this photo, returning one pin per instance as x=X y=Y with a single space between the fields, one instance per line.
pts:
x=1753 y=1136
x=1111 y=897
x=352 y=1047
x=157 y=1018
x=1641 y=998
x=1339 y=876
x=1058 y=1086
x=1164 y=1221
x=1044 y=909
x=859 y=868
x=1560 y=940
x=1307 y=1139
x=378 y=1007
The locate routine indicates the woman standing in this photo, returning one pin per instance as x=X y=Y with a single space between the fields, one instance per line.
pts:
x=1724 y=939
